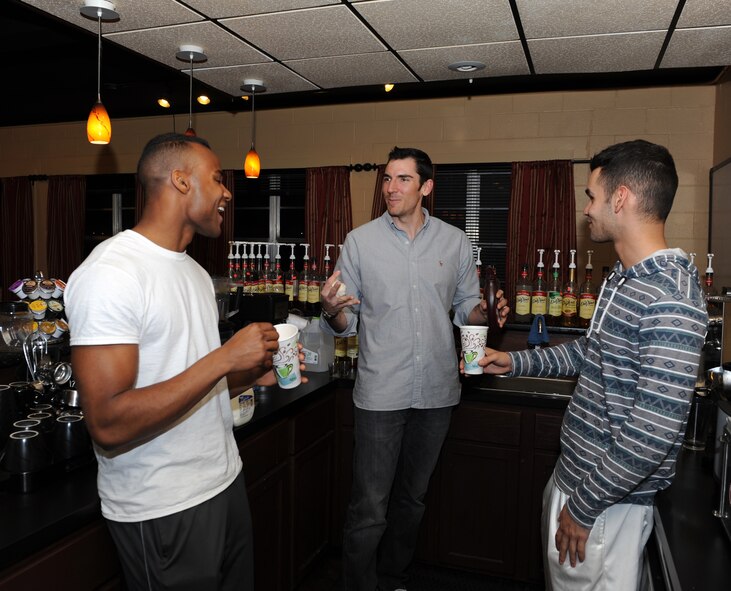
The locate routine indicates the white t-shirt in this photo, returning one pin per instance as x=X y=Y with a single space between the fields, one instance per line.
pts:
x=132 y=291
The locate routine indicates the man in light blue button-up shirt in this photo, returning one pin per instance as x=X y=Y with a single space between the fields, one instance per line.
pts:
x=403 y=274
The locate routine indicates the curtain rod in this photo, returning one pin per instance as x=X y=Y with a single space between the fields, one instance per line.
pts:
x=37 y=177
x=580 y=161
x=359 y=167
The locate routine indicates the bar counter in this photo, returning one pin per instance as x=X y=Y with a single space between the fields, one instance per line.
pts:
x=33 y=520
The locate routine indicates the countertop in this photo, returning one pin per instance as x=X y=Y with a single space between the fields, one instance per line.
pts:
x=695 y=546
x=33 y=520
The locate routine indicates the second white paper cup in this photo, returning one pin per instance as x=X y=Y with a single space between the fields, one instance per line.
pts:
x=286 y=359
x=474 y=339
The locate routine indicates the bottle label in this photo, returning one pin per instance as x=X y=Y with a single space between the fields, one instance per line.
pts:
x=313 y=293
x=311 y=357
x=587 y=303
x=352 y=345
x=302 y=292
x=538 y=302
x=289 y=290
x=554 y=303
x=522 y=303
x=568 y=306
x=341 y=346
x=278 y=287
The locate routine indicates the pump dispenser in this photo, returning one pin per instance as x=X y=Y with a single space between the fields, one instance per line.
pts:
x=290 y=282
x=692 y=256
x=587 y=295
x=231 y=260
x=277 y=278
x=304 y=282
x=569 y=301
x=539 y=294
x=554 y=293
x=478 y=264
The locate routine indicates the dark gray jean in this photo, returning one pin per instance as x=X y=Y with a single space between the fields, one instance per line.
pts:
x=394 y=457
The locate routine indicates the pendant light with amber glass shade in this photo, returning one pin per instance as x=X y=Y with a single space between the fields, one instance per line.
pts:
x=252 y=164
x=192 y=54
x=98 y=125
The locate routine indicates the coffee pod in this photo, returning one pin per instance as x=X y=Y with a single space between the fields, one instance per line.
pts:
x=60 y=288
x=17 y=289
x=47 y=328
x=62 y=328
x=55 y=306
x=30 y=289
x=46 y=289
x=38 y=307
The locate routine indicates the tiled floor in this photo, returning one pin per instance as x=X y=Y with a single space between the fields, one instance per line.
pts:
x=423 y=578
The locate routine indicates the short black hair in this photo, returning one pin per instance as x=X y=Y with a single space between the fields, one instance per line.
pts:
x=160 y=145
x=647 y=169
x=424 y=166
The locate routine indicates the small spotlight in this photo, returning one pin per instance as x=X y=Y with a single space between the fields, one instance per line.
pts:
x=245 y=97
x=203 y=99
x=163 y=103
x=388 y=87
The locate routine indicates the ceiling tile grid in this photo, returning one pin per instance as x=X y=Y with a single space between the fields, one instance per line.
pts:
x=352 y=70
x=696 y=47
x=161 y=44
x=276 y=78
x=227 y=8
x=315 y=32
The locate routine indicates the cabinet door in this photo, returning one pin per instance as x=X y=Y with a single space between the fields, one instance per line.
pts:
x=543 y=464
x=479 y=507
x=311 y=503
x=85 y=560
x=268 y=503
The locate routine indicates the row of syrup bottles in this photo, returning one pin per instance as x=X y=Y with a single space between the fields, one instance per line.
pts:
x=568 y=304
x=254 y=272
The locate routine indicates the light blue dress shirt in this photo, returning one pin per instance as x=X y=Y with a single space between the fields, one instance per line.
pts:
x=407 y=289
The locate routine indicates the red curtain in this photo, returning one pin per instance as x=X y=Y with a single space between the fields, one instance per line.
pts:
x=328 y=210
x=16 y=233
x=212 y=253
x=542 y=215
x=379 y=205
x=66 y=217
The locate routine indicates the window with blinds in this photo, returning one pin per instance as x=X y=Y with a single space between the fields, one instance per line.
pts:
x=476 y=198
x=110 y=207
x=270 y=208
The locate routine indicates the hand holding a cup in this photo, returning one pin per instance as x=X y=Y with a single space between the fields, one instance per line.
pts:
x=251 y=348
x=492 y=362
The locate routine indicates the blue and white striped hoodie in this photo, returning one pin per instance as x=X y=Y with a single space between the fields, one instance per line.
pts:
x=637 y=368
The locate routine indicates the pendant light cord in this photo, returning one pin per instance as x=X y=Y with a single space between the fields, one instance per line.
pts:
x=99 y=59
x=253 y=116
x=190 y=95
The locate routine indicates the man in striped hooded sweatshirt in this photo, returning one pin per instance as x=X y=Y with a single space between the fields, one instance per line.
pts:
x=636 y=368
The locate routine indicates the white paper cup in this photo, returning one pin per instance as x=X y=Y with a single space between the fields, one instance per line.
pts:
x=286 y=359
x=473 y=339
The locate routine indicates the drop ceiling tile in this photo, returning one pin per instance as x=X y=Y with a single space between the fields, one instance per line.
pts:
x=275 y=77
x=596 y=53
x=704 y=13
x=315 y=32
x=228 y=8
x=690 y=48
x=352 y=70
x=500 y=59
x=574 y=18
x=409 y=24
x=133 y=14
x=161 y=44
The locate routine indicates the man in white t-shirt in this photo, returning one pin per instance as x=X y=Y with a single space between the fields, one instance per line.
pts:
x=155 y=382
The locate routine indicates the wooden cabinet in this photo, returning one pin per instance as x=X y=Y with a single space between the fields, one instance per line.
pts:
x=86 y=559
x=312 y=463
x=479 y=484
x=483 y=506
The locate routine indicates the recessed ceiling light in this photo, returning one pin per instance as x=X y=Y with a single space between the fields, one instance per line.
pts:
x=388 y=87
x=203 y=99
x=466 y=66
x=164 y=103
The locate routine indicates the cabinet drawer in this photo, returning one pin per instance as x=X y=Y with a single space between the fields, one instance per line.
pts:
x=315 y=421
x=264 y=451
x=548 y=431
x=475 y=422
